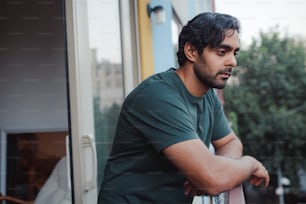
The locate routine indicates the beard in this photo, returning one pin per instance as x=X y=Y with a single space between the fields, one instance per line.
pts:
x=210 y=80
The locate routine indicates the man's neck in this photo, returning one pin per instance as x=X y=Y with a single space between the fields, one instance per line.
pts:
x=191 y=82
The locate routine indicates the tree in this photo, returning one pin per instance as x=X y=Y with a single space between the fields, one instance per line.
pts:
x=267 y=98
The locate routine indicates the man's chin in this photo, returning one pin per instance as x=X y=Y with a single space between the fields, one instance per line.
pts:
x=220 y=86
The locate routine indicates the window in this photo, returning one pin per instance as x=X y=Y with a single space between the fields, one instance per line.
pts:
x=108 y=93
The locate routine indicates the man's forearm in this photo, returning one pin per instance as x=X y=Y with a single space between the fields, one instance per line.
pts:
x=231 y=149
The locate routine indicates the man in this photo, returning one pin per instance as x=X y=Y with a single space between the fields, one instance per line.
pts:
x=160 y=152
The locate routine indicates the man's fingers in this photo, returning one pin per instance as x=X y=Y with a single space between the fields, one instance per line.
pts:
x=191 y=190
x=256 y=181
x=267 y=181
x=188 y=188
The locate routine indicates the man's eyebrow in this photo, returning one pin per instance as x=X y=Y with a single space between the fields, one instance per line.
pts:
x=228 y=47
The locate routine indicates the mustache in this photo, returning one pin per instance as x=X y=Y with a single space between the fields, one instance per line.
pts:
x=226 y=71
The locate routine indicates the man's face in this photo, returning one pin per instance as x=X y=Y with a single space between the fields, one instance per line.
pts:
x=213 y=68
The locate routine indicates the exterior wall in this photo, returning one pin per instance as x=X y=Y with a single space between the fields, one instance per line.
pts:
x=164 y=56
x=157 y=50
x=163 y=46
x=145 y=40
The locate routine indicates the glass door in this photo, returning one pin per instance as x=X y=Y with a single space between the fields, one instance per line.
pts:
x=101 y=69
x=33 y=107
x=107 y=73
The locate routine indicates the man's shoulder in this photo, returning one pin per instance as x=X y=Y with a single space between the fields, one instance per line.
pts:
x=160 y=83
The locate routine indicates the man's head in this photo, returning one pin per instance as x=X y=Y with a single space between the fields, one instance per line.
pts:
x=205 y=29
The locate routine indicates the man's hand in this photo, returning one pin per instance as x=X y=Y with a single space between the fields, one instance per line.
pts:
x=222 y=174
x=191 y=190
x=259 y=176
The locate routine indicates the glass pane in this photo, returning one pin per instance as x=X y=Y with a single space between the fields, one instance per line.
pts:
x=107 y=69
x=31 y=158
x=33 y=105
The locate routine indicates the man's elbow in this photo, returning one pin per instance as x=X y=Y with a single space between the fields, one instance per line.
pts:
x=216 y=186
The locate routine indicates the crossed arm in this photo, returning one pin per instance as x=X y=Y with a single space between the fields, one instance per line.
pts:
x=215 y=173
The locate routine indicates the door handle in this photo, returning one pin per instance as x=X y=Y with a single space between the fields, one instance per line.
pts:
x=88 y=143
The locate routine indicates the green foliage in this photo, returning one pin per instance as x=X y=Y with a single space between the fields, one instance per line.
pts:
x=268 y=100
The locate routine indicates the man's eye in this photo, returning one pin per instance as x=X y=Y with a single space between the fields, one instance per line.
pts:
x=236 y=53
x=221 y=52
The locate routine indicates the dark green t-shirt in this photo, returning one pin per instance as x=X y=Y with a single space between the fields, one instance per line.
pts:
x=158 y=113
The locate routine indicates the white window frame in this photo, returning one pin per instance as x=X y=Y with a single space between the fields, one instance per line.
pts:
x=84 y=164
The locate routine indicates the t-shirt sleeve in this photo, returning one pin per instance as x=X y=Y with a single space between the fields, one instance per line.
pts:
x=221 y=126
x=160 y=115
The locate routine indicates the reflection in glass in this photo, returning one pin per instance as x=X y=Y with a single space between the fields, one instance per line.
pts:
x=31 y=158
x=106 y=65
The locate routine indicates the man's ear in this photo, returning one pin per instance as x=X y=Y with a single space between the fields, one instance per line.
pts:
x=191 y=52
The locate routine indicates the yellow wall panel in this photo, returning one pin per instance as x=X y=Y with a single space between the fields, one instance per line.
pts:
x=146 y=40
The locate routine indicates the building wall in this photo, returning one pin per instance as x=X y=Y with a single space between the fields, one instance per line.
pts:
x=145 y=40
x=164 y=57
x=164 y=50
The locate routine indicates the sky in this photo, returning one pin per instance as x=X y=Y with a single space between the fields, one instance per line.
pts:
x=262 y=15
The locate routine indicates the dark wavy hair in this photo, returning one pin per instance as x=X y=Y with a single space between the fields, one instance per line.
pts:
x=205 y=29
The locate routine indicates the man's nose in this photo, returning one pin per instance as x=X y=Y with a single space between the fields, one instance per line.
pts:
x=232 y=61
